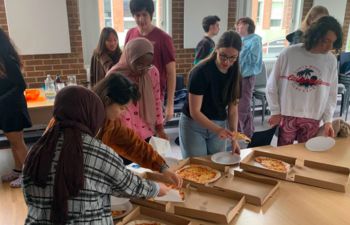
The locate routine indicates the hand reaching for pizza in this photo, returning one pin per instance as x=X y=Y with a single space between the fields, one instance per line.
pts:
x=328 y=130
x=224 y=133
x=235 y=147
x=176 y=179
x=163 y=189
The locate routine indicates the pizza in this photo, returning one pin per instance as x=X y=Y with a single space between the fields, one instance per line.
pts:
x=273 y=164
x=116 y=213
x=241 y=136
x=144 y=222
x=181 y=191
x=199 y=173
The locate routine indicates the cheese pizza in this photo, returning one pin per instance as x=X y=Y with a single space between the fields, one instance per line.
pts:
x=199 y=173
x=241 y=136
x=144 y=222
x=181 y=191
x=273 y=164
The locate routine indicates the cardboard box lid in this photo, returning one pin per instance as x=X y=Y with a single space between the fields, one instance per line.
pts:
x=142 y=213
x=322 y=175
x=256 y=189
x=209 y=204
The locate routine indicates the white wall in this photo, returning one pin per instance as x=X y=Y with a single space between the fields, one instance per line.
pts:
x=336 y=8
x=195 y=11
x=89 y=26
x=38 y=26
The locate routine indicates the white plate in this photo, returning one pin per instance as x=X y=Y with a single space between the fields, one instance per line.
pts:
x=320 y=143
x=225 y=158
x=120 y=204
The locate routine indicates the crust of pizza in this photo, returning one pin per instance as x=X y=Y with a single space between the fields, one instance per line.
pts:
x=241 y=136
x=144 y=222
x=273 y=164
x=199 y=173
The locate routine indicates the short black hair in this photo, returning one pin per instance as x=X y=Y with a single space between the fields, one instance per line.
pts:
x=139 y=5
x=209 y=20
x=116 y=88
x=319 y=29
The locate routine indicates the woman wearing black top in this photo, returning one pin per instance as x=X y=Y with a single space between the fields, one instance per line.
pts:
x=13 y=107
x=214 y=91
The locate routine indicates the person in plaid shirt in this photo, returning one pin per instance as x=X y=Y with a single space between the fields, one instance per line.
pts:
x=69 y=175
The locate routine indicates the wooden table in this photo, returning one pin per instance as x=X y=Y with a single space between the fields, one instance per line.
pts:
x=40 y=112
x=292 y=204
x=298 y=204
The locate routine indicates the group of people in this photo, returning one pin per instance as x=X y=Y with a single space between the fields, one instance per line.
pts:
x=72 y=170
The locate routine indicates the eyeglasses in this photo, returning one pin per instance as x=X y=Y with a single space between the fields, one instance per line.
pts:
x=143 y=68
x=224 y=58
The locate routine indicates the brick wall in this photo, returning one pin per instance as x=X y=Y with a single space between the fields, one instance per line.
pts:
x=36 y=67
x=185 y=57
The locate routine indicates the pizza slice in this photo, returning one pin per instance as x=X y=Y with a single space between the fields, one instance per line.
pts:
x=241 y=136
x=199 y=173
x=273 y=164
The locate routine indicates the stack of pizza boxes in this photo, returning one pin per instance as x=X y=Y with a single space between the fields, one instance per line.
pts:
x=216 y=200
x=297 y=170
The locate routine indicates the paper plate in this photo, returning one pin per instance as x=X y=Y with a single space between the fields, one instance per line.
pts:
x=120 y=205
x=319 y=144
x=225 y=158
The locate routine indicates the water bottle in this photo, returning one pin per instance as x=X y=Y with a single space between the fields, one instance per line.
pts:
x=50 y=89
x=58 y=83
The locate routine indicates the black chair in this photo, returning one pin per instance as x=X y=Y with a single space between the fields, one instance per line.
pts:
x=262 y=138
x=259 y=92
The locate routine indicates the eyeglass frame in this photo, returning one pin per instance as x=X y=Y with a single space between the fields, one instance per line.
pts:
x=225 y=58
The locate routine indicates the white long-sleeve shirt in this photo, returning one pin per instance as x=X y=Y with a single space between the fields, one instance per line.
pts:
x=303 y=84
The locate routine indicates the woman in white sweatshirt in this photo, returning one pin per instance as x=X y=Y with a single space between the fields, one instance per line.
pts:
x=302 y=88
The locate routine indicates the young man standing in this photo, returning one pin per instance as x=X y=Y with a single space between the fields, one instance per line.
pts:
x=250 y=60
x=302 y=88
x=211 y=28
x=164 y=50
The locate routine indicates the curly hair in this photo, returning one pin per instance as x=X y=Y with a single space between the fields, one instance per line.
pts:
x=318 y=31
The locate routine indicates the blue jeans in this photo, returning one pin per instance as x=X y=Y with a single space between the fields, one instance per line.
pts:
x=196 y=140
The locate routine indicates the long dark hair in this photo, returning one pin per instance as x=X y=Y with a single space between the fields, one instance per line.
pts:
x=101 y=46
x=7 y=50
x=115 y=88
x=232 y=90
x=319 y=29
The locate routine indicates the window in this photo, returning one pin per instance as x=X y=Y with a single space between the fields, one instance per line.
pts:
x=124 y=21
x=274 y=20
x=347 y=47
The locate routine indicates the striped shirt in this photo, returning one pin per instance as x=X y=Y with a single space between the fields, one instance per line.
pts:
x=105 y=175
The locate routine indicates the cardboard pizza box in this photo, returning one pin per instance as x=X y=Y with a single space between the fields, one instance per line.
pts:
x=322 y=175
x=151 y=203
x=250 y=165
x=256 y=189
x=142 y=213
x=208 y=204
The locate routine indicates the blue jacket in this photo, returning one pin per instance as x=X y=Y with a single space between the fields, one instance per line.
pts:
x=250 y=57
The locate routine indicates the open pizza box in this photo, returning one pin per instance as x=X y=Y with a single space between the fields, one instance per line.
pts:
x=152 y=203
x=204 y=203
x=142 y=213
x=249 y=164
x=256 y=189
x=322 y=175
x=308 y=172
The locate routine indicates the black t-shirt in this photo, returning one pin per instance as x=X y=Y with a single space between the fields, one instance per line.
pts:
x=207 y=80
x=203 y=49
